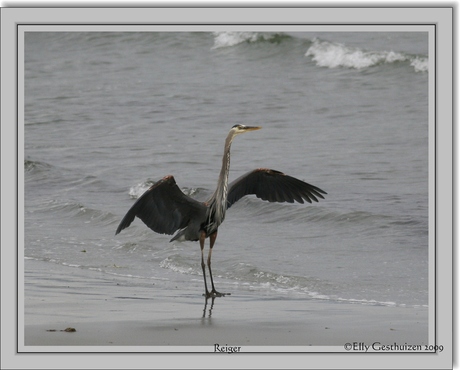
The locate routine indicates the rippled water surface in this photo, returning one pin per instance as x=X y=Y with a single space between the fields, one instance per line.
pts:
x=108 y=114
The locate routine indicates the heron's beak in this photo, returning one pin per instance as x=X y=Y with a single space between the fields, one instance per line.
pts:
x=252 y=128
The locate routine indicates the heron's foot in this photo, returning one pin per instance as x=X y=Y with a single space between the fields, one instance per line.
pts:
x=214 y=293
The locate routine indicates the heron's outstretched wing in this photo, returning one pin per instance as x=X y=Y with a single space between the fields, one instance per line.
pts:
x=164 y=208
x=273 y=186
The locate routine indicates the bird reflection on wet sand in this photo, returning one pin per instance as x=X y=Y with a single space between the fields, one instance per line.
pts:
x=206 y=306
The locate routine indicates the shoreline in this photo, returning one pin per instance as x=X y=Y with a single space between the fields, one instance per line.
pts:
x=110 y=311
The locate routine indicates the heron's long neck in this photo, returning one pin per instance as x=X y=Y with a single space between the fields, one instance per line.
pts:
x=225 y=170
x=218 y=201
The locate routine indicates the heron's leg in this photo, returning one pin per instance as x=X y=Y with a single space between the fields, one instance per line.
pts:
x=212 y=240
x=203 y=266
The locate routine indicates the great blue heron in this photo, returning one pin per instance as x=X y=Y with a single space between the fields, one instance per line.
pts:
x=164 y=208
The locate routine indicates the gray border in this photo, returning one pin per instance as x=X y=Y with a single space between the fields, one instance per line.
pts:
x=438 y=16
x=22 y=29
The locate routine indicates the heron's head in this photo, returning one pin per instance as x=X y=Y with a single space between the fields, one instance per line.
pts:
x=241 y=129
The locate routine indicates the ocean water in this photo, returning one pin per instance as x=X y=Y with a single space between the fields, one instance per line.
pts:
x=107 y=114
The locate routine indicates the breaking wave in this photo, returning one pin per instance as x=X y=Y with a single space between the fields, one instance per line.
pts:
x=227 y=39
x=335 y=55
x=325 y=53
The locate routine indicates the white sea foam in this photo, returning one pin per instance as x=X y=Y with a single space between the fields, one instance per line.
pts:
x=170 y=265
x=420 y=64
x=334 y=55
x=227 y=39
x=137 y=190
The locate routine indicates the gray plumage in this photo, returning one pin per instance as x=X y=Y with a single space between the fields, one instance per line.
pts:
x=165 y=209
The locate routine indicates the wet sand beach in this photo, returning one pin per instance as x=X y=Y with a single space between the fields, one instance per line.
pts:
x=111 y=312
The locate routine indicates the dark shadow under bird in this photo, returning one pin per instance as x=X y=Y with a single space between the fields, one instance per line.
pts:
x=165 y=209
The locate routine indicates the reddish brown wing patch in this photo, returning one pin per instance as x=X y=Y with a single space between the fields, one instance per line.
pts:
x=270 y=171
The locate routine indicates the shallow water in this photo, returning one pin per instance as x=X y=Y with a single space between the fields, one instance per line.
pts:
x=106 y=114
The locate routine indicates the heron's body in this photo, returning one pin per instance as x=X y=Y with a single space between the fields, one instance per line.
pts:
x=166 y=209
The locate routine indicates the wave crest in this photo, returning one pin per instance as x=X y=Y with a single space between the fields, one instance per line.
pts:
x=335 y=55
x=227 y=39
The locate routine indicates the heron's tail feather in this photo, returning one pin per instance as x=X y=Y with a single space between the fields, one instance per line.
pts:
x=180 y=236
